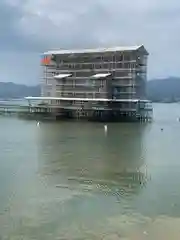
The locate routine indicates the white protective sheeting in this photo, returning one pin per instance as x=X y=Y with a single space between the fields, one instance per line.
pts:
x=100 y=75
x=60 y=76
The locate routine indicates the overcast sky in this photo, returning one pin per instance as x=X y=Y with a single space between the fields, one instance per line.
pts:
x=29 y=27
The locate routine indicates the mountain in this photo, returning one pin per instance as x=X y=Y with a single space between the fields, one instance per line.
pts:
x=164 y=90
x=12 y=90
x=158 y=90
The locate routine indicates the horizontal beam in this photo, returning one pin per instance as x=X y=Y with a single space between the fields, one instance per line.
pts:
x=86 y=99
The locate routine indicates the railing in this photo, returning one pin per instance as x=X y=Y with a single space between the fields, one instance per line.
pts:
x=51 y=78
x=86 y=92
x=94 y=70
x=91 y=85
x=92 y=62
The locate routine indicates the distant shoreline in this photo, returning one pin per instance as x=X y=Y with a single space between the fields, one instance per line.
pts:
x=158 y=90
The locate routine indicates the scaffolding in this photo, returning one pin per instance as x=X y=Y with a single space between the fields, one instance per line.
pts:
x=115 y=74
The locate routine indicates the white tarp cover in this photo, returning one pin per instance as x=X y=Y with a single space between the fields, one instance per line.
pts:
x=60 y=76
x=101 y=75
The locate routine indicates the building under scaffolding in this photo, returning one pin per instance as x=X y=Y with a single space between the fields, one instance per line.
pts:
x=104 y=84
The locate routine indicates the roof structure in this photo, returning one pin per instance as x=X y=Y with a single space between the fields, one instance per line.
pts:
x=95 y=50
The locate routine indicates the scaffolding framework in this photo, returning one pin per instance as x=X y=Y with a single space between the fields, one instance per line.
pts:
x=116 y=73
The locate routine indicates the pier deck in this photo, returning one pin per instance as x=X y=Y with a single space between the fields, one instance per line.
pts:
x=60 y=112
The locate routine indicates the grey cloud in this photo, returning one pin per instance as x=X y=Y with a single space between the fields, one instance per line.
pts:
x=80 y=31
x=11 y=38
x=59 y=24
x=39 y=25
x=8 y=19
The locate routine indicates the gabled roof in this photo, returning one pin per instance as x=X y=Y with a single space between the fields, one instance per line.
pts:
x=97 y=50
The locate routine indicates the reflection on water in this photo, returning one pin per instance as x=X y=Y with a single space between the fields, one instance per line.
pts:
x=73 y=181
x=81 y=153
